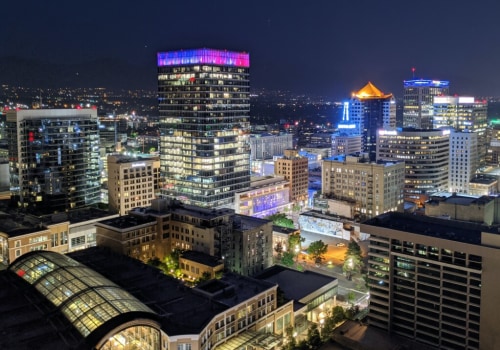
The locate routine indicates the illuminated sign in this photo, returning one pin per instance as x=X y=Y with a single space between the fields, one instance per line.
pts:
x=347 y=126
x=446 y=132
x=466 y=100
x=387 y=132
x=204 y=56
x=134 y=165
x=426 y=83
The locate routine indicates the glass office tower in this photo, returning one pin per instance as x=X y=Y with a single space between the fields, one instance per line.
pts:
x=418 y=100
x=204 y=109
x=54 y=159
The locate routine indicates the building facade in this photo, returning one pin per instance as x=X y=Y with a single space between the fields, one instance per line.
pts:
x=373 y=187
x=204 y=109
x=434 y=280
x=418 y=99
x=266 y=146
x=294 y=169
x=266 y=196
x=464 y=114
x=370 y=110
x=464 y=160
x=426 y=157
x=243 y=243
x=343 y=143
x=132 y=182
x=54 y=159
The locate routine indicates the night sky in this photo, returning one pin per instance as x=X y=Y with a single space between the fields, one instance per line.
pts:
x=322 y=47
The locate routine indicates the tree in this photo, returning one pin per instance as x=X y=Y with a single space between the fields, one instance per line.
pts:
x=280 y=219
x=353 y=249
x=287 y=259
x=295 y=241
x=317 y=249
x=352 y=265
x=314 y=337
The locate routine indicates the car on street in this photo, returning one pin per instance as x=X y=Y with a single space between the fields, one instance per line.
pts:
x=340 y=244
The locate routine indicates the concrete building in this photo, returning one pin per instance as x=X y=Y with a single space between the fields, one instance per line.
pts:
x=343 y=143
x=266 y=196
x=463 y=160
x=418 y=99
x=204 y=107
x=375 y=187
x=266 y=146
x=54 y=159
x=294 y=169
x=480 y=209
x=196 y=265
x=483 y=185
x=243 y=242
x=426 y=157
x=134 y=306
x=463 y=113
x=434 y=281
x=132 y=182
x=370 y=110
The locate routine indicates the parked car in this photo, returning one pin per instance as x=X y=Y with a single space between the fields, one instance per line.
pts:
x=340 y=244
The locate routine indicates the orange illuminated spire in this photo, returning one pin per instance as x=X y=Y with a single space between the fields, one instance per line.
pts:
x=370 y=91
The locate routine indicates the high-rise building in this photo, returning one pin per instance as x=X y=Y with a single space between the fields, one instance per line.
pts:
x=266 y=146
x=132 y=182
x=294 y=169
x=434 y=280
x=426 y=157
x=370 y=110
x=204 y=109
x=344 y=143
x=373 y=187
x=418 y=101
x=54 y=158
x=463 y=113
x=464 y=160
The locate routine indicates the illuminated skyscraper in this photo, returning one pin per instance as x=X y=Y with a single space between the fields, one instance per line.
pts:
x=418 y=99
x=463 y=114
x=369 y=110
x=54 y=159
x=204 y=109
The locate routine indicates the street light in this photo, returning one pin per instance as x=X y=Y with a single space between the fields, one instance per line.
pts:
x=297 y=250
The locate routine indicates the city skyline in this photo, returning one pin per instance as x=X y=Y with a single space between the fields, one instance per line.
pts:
x=331 y=48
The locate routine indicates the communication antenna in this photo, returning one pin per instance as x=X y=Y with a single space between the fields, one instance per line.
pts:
x=413 y=72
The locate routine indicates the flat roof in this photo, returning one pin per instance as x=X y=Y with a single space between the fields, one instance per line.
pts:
x=454 y=230
x=201 y=258
x=296 y=285
x=128 y=221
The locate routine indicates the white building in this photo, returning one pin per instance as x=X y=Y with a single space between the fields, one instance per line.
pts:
x=464 y=160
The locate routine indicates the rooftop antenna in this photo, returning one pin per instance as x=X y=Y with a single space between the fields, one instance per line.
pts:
x=413 y=72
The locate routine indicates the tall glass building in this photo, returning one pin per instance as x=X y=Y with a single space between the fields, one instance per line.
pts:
x=204 y=109
x=54 y=159
x=418 y=99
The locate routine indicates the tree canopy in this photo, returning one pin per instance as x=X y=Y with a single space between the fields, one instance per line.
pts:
x=280 y=219
x=317 y=249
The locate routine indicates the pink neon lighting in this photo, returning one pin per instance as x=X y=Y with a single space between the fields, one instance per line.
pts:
x=206 y=56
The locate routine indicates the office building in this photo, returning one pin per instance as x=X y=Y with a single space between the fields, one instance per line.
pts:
x=463 y=113
x=344 y=143
x=463 y=160
x=434 y=281
x=294 y=169
x=54 y=159
x=370 y=110
x=266 y=146
x=373 y=187
x=426 y=157
x=132 y=182
x=418 y=99
x=204 y=109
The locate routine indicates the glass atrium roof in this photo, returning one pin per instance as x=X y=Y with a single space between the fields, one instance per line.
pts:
x=86 y=298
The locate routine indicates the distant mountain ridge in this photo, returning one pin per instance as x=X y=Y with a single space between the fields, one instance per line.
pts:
x=108 y=73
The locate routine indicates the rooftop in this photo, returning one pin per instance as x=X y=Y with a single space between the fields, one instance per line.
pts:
x=296 y=285
x=201 y=258
x=454 y=230
x=128 y=221
x=369 y=92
